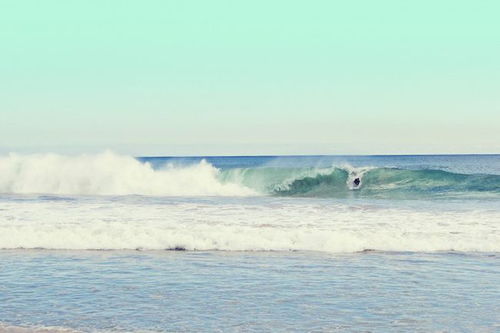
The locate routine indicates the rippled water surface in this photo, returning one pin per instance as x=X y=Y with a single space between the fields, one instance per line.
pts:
x=250 y=292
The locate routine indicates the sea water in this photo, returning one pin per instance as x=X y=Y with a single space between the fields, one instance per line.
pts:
x=108 y=242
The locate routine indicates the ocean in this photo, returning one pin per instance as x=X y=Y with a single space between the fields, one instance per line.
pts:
x=115 y=243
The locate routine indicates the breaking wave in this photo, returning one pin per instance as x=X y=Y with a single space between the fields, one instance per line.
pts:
x=112 y=174
x=386 y=182
x=390 y=183
x=109 y=174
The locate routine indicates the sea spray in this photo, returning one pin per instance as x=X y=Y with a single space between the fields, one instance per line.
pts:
x=112 y=174
x=109 y=174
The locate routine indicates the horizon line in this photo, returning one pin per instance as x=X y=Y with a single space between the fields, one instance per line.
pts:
x=322 y=155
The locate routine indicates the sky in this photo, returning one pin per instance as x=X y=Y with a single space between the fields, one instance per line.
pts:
x=225 y=77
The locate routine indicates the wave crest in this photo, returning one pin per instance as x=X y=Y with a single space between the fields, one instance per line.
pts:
x=338 y=182
x=109 y=174
x=112 y=174
x=393 y=183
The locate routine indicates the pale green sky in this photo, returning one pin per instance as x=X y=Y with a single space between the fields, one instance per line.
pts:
x=250 y=77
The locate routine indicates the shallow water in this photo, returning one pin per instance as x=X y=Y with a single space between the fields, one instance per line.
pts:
x=251 y=292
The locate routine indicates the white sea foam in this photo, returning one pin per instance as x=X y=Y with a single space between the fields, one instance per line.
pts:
x=5 y=328
x=234 y=224
x=109 y=174
x=268 y=224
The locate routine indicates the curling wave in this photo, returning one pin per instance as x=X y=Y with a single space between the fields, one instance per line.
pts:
x=372 y=182
x=112 y=174
x=387 y=182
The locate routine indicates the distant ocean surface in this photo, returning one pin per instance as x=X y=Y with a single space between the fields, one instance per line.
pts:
x=115 y=243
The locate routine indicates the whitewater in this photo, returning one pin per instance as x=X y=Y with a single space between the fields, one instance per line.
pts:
x=114 y=243
x=108 y=174
x=112 y=174
x=110 y=201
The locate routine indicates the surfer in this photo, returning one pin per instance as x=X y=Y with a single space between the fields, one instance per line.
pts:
x=356 y=182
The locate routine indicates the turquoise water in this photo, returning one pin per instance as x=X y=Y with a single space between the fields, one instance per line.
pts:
x=262 y=244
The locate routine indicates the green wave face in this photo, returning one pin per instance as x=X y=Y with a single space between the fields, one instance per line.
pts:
x=375 y=183
x=421 y=183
